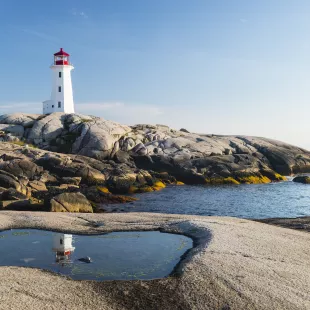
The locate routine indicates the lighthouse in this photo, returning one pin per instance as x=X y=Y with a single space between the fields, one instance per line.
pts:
x=62 y=96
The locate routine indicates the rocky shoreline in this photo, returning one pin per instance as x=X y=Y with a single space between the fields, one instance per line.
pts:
x=298 y=223
x=74 y=163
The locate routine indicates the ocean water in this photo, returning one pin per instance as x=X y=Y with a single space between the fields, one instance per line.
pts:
x=115 y=256
x=284 y=199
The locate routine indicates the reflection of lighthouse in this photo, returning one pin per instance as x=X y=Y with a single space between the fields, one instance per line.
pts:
x=62 y=245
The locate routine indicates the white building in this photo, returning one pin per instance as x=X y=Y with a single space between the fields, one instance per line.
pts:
x=62 y=96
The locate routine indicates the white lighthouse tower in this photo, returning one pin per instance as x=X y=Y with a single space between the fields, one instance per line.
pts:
x=62 y=96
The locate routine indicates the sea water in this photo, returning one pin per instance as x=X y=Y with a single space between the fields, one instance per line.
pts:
x=284 y=199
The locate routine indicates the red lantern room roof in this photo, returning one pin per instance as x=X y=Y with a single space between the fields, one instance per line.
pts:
x=61 y=53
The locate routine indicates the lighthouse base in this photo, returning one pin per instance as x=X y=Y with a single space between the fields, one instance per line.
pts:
x=51 y=106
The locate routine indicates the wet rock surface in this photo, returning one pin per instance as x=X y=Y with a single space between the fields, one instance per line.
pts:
x=86 y=259
x=302 y=179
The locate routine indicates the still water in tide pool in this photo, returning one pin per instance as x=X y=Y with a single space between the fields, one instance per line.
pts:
x=284 y=199
x=115 y=256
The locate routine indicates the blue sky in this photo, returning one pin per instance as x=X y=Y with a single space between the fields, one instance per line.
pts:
x=220 y=66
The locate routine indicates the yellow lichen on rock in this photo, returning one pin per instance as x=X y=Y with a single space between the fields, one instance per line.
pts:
x=221 y=181
x=121 y=198
x=230 y=180
x=259 y=179
x=133 y=189
x=103 y=190
x=272 y=175
x=146 y=189
x=250 y=179
x=158 y=186
x=139 y=190
x=280 y=177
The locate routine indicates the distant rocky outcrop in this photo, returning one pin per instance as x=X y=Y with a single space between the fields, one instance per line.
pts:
x=73 y=152
x=304 y=179
x=154 y=147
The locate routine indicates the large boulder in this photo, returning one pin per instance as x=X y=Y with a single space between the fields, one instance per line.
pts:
x=22 y=205
x=302 y=179
x=8 y=180
x=12 y=194
x=99 y=195
x=23 y=119
x=284 y=158
x=71 y=202
x=97 y=137
x=37 y=185
x=47 y=129
x=121 y=181
x=21 y=168
x=78 y=134
x=65 y=167
x=52 y=191
x=163 y=164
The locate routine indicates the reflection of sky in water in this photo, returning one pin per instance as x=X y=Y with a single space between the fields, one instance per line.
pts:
x=119 y=255
x=285 y=199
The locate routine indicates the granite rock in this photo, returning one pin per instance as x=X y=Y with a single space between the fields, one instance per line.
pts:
x=71 y=202
x=189 y=157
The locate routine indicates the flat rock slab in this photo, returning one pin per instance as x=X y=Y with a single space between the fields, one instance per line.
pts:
x=299 y=223
x=237 y=264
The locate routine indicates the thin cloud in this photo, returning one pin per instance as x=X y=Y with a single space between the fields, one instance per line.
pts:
x=98 y=106
x=76 y=12
x=23 y=107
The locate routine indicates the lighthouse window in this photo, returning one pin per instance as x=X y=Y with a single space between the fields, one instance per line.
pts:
x=60 y=74
x=59 y=89
x=59 y=104
x=61 y=241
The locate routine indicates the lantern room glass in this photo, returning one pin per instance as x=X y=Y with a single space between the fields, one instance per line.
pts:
x=61 y=60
